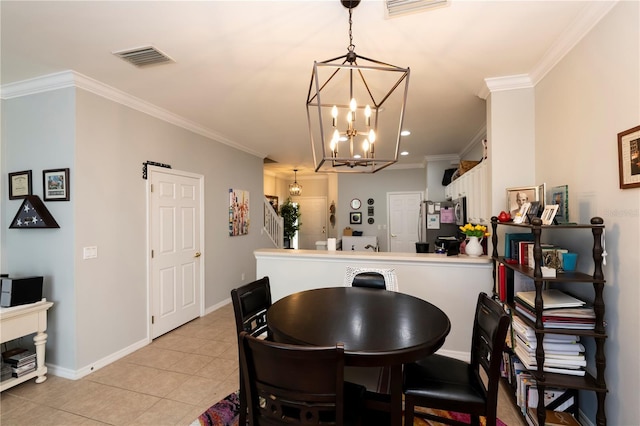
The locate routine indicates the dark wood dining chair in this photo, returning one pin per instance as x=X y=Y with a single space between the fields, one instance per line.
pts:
x=297 y=385
x=446 y=383
x=250 y=304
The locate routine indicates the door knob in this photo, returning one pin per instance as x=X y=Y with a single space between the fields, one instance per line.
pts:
x=198 y=254
x=393 y=235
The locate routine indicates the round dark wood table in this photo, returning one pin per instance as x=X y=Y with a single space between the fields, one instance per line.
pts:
x=377 y=328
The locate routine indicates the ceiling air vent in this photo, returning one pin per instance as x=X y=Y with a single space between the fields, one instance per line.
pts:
x=143 y=56
x=400 y=7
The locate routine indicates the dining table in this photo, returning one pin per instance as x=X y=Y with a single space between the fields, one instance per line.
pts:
x=379 y=328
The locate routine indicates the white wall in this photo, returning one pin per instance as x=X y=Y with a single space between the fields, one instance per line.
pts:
x=581 y=105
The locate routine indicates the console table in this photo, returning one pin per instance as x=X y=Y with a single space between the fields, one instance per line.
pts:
x=20 y=321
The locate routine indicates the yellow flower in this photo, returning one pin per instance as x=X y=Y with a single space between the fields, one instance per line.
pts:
x=474 y=230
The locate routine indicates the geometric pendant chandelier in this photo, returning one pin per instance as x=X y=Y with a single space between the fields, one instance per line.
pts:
x=355 y=111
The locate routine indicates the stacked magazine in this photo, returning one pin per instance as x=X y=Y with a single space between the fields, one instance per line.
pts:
x=563 y=353
x=560 y=310
x=22 y=361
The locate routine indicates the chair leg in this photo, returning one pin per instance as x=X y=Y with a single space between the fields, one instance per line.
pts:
x=409 y=407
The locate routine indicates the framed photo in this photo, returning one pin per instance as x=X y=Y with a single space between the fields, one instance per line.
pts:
x=629 y=158
x=560 y=195
x=20 y=184
x=521 y=216
x=517 y=196
x=549 y=213
x=55 y=184
x=355 y=218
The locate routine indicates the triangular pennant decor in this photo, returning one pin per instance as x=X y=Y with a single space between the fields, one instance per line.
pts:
x=33 y=214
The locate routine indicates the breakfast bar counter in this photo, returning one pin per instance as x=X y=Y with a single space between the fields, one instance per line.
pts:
x=451 y=283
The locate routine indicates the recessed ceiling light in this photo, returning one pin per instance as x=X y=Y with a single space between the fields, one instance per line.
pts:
x=404 y=153
x=405 y=133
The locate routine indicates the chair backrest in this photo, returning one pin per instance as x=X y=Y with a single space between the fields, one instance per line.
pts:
x=292 y=384
x=250 y=304
x=371 y=277
x=490 y=327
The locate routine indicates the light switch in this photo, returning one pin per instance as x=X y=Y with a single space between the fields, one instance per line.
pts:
x=90 y=252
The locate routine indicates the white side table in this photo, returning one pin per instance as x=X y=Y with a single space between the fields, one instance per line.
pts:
x=20 y=321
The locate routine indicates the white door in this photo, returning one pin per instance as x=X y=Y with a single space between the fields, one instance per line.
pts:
x=313 y=216
x=404 y=212
x=175 y=241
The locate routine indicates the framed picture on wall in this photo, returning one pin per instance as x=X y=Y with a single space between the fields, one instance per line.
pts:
x=55 y=184
x=629 y=158
x=355 y=218
x=20 y=184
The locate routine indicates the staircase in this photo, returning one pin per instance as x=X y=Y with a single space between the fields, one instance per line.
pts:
x=273 y=224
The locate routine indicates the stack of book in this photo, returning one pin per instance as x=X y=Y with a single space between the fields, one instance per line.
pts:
x=563 y=353
x=22 y=361
x=559 y=310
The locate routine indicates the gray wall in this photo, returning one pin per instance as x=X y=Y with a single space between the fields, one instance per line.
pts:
x=101 y=304
x=38 y=133
x=376 y=186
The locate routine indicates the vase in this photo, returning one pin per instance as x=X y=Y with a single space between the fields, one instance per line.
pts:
x=473 y=247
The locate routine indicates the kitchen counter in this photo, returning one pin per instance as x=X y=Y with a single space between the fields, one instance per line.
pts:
x=450 y=282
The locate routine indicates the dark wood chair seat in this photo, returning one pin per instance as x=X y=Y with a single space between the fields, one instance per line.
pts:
x=297 y=384
x=445 y=383
x=250 y=304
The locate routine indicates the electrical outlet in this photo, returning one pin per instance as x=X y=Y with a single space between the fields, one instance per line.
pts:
x=90 y=252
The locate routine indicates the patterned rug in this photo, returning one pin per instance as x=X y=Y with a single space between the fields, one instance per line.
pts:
x=225 y=413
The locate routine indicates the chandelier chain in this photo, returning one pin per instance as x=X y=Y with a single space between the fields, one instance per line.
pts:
x=351 y=45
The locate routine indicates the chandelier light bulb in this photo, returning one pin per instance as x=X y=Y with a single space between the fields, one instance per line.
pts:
x=353 y=105
x=334 y=114
x=372 y=136
x=365 y=146
x=367 y=115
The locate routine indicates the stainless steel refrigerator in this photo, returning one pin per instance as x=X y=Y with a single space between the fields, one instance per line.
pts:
x=440 y=219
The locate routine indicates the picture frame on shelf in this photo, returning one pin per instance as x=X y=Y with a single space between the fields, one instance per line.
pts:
x=560 y=195
x=20 y=185
x=355 y=218
x=549 y=214
x=55 y=184
x=516 y=196
x=629 y=158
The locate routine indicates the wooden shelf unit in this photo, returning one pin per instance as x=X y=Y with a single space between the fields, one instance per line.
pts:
x=588 y=382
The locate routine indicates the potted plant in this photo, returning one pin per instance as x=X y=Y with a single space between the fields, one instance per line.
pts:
x=290 y=214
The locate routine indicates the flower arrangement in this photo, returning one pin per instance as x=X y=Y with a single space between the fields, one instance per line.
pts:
x=474 y=230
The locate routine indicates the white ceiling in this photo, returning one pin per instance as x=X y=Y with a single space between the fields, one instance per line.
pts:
x=242 y=68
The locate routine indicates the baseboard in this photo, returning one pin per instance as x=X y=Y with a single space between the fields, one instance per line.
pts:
x=462 y=356
x=84 y=371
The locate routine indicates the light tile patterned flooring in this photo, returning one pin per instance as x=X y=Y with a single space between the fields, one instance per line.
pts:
x=169 y=382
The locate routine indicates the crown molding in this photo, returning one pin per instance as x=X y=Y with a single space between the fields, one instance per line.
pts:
x=69 y=78
x=581 y=26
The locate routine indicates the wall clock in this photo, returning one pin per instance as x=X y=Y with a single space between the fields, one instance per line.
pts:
x=355 y=204
x=370 y=201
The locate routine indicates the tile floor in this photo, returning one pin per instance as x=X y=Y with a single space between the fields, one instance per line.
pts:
x=169 y=382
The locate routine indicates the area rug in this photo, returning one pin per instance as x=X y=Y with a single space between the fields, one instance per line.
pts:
x=225 y=413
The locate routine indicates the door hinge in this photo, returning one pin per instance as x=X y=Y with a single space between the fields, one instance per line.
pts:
x=151 y=187
x=153 y=319
x=152 y=254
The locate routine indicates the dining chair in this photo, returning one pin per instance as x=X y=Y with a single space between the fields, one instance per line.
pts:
x=250 y=304
x=296 y=384
x=445 y=383
x=379 y=278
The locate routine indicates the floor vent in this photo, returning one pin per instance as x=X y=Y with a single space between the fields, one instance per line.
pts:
x=143 y=56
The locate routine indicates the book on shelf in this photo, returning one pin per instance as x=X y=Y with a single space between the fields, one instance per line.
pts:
x=552 y=298
x=25 y=369
x=18 y=356
x=524 y=330
x=552 y=418
x=509 y=237
x=549 y=366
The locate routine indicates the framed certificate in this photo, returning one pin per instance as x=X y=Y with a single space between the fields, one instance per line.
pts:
x=19 y=184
